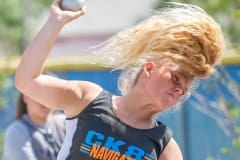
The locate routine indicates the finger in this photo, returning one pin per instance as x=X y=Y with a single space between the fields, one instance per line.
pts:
x=80 y=12
x=56 y=3
x=84 y=8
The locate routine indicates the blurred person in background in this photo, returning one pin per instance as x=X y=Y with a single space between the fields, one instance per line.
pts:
x=36 y=134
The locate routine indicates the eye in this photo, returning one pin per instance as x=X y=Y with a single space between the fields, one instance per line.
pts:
x=175 y=78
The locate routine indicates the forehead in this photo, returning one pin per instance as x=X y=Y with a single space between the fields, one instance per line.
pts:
x=170 y=66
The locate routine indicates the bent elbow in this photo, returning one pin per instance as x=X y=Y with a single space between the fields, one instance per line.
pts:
x=18 y=83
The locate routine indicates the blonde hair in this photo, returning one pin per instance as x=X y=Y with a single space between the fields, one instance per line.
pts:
x=182 y=33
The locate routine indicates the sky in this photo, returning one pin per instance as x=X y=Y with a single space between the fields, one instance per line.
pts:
x=108 y=16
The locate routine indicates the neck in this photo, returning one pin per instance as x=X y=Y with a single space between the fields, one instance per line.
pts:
x=134 y=111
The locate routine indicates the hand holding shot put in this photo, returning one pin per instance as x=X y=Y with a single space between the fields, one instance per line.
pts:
x=64 y=11
x=72 y=5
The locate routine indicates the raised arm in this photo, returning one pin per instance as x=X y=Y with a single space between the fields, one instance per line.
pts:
x=52 y=92
x=36 y=53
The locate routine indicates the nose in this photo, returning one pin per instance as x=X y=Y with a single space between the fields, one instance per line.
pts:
x=179 y=90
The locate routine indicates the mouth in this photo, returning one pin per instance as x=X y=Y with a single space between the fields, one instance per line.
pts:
x=172 y=95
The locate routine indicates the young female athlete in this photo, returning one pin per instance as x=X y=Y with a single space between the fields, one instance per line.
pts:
x=160 y=58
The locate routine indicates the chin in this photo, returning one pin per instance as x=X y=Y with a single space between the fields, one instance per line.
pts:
x=45 y=111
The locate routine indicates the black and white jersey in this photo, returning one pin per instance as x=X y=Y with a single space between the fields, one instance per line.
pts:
x=97 y=134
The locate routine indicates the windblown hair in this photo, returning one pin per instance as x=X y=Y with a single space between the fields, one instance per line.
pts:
x=182 y=33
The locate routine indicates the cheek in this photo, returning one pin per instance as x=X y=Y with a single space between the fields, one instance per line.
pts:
x=164 y=93
x=39 y=109
x=158 y=85
x=163 y=85
x=167 y=102
x=44 y=109
x=157 y=92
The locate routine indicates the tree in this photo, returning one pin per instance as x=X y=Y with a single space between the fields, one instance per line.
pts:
x=16 y=24
x=17 y=18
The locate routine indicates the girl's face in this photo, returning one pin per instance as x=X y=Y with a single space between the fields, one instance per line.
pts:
x=165 y=84
x=36 y=111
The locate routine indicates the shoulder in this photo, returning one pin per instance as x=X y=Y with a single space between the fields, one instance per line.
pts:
x=89 y=87
x=164 y=133
x=171 y=151
x=17 y=142
x=89 y=91
x=14 y=129
x=16 y=135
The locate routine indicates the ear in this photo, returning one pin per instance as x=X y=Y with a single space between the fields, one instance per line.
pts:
x=148 y=68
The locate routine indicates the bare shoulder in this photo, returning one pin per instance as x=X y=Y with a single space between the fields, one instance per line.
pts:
x=171 y=151
x=88 y=90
